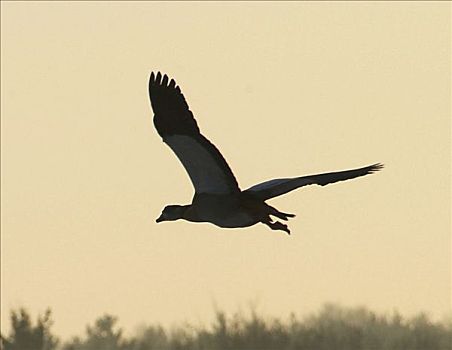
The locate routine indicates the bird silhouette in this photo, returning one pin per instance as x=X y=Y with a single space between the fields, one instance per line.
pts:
x=218 y=198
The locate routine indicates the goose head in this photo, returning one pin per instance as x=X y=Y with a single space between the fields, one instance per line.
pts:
x=171 y=213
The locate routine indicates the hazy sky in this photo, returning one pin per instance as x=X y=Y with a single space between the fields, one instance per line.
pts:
x=283 y=89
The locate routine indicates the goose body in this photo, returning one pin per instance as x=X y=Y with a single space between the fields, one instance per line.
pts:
x=222 y=210
x=218 y=198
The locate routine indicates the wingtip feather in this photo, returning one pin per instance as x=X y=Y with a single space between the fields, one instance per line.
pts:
x=162 y=80
x=165 y=81
x=375 y=167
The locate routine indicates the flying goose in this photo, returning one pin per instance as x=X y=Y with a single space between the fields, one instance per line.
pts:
x=218 y=198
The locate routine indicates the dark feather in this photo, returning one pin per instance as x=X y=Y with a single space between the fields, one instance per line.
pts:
x=171 y=113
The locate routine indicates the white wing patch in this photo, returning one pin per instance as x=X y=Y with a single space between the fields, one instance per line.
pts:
x=204 y=172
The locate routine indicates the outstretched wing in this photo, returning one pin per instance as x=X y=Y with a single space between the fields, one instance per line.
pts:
x=277 y=187
x=206 y=167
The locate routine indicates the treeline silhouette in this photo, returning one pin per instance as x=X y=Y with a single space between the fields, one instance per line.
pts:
x=332 y=328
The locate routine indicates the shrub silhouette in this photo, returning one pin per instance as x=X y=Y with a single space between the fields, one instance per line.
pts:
x=333 y=327
x=25 y=336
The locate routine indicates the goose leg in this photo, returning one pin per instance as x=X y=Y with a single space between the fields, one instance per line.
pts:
x=277 y=226
x=279 y=214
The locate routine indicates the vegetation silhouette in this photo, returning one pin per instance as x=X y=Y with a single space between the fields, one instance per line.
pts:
x=333 y=327
x=26 y=336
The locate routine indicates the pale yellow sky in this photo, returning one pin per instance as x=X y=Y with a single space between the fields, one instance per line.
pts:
x=84 y=174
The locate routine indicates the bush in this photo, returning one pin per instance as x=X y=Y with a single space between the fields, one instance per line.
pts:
x=334 y=327
x=25 y=336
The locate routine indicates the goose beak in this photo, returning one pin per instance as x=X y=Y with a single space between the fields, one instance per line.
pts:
x=159 y=219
